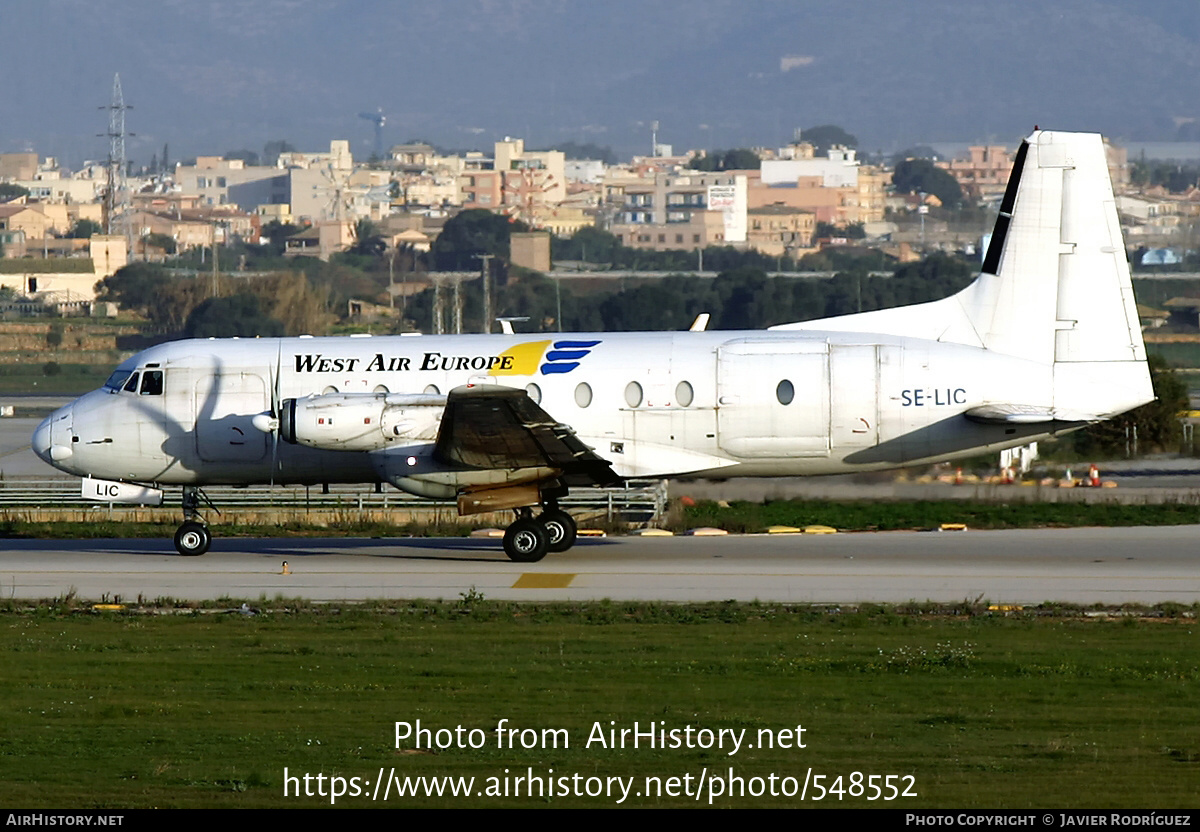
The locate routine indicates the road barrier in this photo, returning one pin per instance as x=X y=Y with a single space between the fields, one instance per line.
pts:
x=638 y=502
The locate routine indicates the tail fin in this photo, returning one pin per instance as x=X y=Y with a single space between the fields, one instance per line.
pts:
x=1054 y=288
x=1055 y=282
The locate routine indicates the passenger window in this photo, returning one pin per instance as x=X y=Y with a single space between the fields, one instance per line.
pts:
x=131 y=385
x=152 y=383
x=583 y=394
x=785 y=392
x=684 y=395
x=633 y=394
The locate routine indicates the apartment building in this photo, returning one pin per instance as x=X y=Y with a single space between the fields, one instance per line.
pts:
x=18 y=166
x=778 y=230
x=212 y=178
x=983 y=174
x=680 y=210
x=518 y=182
x=836 y=188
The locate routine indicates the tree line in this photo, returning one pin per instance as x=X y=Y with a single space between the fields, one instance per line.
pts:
x=281 y=303
x=742 y=297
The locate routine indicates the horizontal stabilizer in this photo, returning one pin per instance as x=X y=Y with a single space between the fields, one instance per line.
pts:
x=1023 y=414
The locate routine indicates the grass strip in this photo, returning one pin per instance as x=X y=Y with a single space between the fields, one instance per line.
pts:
x=849 y=515
x=187 y=707
x=117 y=529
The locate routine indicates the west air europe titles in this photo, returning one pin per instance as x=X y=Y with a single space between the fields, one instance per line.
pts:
x=319 y=363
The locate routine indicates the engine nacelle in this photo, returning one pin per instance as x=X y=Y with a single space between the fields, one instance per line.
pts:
x=360 y=421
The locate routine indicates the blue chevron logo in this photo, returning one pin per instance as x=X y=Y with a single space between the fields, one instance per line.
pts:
x=564 y=356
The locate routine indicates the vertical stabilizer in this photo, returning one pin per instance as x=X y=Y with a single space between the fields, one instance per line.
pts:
x=1054 y=289
x=1055 y=284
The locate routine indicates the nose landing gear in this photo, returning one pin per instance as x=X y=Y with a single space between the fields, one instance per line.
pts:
x=193 y=537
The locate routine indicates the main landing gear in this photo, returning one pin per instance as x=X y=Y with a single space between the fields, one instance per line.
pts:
x=193 y=537
x=529 y=538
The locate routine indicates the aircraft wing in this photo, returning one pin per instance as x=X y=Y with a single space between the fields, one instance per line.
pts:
x=502 y=428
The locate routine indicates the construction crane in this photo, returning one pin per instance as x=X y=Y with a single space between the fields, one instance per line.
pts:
x=379 y=119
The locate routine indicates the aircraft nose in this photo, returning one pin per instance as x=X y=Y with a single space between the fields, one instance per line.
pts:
x=41 y=440
x=51 y=440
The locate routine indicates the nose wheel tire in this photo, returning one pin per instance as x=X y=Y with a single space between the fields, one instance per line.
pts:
x=526 y=541
x=192 y=539
x=560 y=529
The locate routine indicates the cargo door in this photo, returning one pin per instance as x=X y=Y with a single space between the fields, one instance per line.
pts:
x=773 y=399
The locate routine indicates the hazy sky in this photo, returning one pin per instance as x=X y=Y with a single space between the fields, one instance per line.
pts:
x=207 y=76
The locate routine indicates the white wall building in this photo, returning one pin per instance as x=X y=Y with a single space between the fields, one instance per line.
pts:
x=838 y=170
x=588 y=171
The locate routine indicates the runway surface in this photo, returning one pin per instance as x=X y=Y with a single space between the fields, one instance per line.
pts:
x=1111 y=566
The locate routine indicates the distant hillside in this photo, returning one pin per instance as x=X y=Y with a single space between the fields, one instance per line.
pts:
x=220 y=75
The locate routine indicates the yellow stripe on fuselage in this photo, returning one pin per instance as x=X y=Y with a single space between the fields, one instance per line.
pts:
x=525 y=358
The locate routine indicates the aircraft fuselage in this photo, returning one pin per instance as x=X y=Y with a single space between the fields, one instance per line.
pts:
x=653 y=404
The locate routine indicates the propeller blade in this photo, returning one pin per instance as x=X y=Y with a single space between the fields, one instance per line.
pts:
x=275 y=381
x=274 y=423
x=274 y=453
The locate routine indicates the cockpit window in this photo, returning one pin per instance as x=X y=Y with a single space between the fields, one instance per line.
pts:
x=152 y=383
x=131 y=385
x=116 y=380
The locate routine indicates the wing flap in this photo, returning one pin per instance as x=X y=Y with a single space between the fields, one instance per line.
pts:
x=496 y=427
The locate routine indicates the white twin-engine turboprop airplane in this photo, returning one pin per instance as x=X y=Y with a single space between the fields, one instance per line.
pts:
x=1045 y=340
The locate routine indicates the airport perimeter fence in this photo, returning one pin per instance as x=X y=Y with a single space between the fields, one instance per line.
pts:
x=637 y=503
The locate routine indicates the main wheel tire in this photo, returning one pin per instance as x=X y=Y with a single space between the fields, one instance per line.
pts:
x=560 y=529
x=526 y=541
x=192 y=539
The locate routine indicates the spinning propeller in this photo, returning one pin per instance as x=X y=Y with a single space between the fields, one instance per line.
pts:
x=269 y=422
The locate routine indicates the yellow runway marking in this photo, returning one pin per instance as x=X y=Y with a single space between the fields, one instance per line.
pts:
x=544 y=580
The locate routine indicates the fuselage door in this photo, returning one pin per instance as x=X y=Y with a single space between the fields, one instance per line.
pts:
x=225 y=405
x=773 y=398
x=855 y=385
